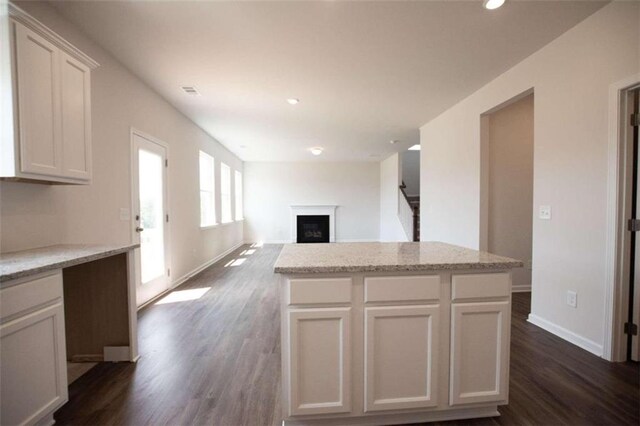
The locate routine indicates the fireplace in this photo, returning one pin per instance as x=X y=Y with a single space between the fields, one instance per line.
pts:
x=312 y=229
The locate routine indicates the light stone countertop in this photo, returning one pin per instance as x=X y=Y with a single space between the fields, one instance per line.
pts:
x=24 y=263
x=383 y=257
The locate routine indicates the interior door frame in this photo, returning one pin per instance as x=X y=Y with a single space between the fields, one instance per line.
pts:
x=135 y=236
x=617 y=264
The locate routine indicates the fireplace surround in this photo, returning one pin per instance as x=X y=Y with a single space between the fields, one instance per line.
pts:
x=313 y=210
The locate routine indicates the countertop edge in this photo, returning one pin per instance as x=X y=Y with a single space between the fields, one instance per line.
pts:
x=397 y=268
x=66 y=263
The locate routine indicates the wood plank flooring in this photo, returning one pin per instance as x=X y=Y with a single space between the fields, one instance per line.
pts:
x=216 y=361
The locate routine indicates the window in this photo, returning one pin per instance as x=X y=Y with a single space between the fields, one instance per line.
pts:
x=238 y=183
x=207 y=190
x=225 y=192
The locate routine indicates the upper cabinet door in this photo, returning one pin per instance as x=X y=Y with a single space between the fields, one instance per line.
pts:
x=38 y=103
x=76 y=118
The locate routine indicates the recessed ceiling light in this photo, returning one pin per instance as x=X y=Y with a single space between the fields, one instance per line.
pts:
x=415 y=147
x=316 y=150
x=492 y=4
x=393 y=141
x=293 y=101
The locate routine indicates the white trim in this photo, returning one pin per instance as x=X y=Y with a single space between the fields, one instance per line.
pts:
x=319 y=209
x=192 y=273
x=33 y=24
x=569 y=336
x=612 y=305
x=522 y=288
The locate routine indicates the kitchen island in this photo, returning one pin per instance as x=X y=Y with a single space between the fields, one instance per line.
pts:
x=393 y=333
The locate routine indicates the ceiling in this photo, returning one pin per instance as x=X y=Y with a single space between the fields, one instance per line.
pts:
x=365 y=72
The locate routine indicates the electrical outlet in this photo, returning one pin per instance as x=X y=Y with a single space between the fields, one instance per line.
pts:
x=545 y=213
x=572 y=299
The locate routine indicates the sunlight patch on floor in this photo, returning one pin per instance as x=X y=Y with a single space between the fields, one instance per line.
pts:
x=183 y=295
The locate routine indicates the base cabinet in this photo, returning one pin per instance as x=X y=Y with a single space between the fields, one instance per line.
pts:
x=401 y=362
x=479 y=352
x=385 y=349
x=32 y=351
x=320 y=360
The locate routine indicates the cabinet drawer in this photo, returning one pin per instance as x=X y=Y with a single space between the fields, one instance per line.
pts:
x=473 y=286
x=319 y=290
x=396 y=289
x=24 y=296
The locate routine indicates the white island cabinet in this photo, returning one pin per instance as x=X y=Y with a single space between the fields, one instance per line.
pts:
x=393 y=333
x=51 y=86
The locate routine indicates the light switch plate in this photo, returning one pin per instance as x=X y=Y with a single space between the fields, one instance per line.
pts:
x=572 y=299
x=545 y=213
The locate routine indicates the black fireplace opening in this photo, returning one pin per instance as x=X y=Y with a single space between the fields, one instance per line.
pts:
x=313 y=228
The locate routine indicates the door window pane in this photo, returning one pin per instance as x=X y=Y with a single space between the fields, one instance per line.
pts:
x=151 y=215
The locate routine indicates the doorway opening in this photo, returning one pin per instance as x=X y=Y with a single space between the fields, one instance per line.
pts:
x=151 y=217
x=625 y=303
x=506 y=215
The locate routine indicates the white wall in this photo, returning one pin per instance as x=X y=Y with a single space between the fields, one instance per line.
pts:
x=510 y=185
x=390 y=226
x=37 y=215
x=571 y=78
x=411 y=172
x=271 y=188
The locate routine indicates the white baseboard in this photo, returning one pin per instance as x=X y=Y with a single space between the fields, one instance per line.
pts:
x=521 y=288
x=191 y=273
x=568 y=335
x=204 y=266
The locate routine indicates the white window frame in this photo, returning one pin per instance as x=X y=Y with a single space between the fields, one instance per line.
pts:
x=208 y=191
x=237 y=183
x=226 y=214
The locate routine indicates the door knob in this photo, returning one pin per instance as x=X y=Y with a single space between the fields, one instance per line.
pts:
x=139 y=229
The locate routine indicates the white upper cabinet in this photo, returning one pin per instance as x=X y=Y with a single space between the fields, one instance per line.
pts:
x=51 y=87
x=76 y=118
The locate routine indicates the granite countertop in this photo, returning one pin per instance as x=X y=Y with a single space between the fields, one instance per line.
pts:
x=23 y=263
x=383 y=257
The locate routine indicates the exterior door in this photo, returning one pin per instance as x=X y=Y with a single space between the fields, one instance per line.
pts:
x=151 y=217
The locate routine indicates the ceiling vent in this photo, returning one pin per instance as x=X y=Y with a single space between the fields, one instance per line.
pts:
x=190 y=90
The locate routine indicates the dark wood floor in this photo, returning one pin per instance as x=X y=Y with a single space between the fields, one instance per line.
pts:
x=216 y=361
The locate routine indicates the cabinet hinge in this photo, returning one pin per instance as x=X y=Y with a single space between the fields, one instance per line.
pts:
x=630 y=328
x=633 y=225
x=635 y=120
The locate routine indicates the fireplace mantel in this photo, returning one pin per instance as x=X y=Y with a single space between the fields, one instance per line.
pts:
x=313 y=209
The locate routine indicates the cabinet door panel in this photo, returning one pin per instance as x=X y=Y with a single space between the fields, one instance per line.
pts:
x=76 y=118
x=479 y=352
x=38 y=103
x=320 y=351
x=401 y=357
x=33 y=366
